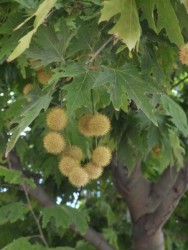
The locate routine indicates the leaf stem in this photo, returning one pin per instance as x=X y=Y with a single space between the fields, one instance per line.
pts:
x=99 y=51
x=34 y=216
x=180 y=81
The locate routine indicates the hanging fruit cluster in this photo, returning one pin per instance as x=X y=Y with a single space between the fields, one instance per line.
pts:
x=72 y=158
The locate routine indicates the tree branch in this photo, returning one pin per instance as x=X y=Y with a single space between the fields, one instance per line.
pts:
x=160 y=189
x=135 y=188
x=169 y=202
x=35 y=217
x=42 y=197
x=99 y=51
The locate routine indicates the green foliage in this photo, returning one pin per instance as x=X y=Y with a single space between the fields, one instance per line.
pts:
x=11 y=176
x=79 y=91
x=110 y=235
x=64 y=217
x=14 y=177
x=27 y=115
x=12 y=212
x=126 y=81
x=178 y=116
x=40 y=15
x=23 y=243
x=166 y=19
x=127 y=26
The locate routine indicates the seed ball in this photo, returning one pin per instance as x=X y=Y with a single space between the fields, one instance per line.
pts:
x=93 y=171
x=43 y=77
x=101 y=156
x=28 y=88
x=75 y=152
x=56 y=119
x=78 y=177
x=54 y=143
x=99 y=125
x=83 y=125
x=66 y=165
x=183 y=54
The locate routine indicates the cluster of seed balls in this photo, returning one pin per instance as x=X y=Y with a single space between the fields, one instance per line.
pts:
x=71 y=157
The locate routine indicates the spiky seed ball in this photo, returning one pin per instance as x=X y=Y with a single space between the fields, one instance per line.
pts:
x=93 y=171
x=74 y=152
x=83 y=125
x=27 y=88
x=101 y=156
x=99 y=125
x=78 y=177
x=56 y=119
x=54 y=143
x=66 y=164
x=43 y=77
x=183 y=54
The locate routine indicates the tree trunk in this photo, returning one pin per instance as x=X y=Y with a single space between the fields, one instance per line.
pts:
x=143 y=241
x=150 y=203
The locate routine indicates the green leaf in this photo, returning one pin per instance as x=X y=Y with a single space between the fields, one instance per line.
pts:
x=19 y=244
x=12 y=212
x=46 y=47
x=78 y=92
x=127 y=27
x=177 y=114
x=78 y=217
x=82 y=245
x=40 y=15
x=149 y=63
x=178 y=150
x=111 y=236
x=15 y=177
x=22 y=46
x=127 y=80
x=11 y=176
x=105 y=209
x=56 y=214
x=64 y=216
x=31 y=111
x=24 y=244
x=166 y=18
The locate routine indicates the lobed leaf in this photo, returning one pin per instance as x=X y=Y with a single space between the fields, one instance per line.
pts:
x=27 y=115
x=126 y=80
x=166 y=18
x=127 y=27
x=23 y=244
x=64 y=216
x=40 y=15
x=12 y=212
x=176 y=113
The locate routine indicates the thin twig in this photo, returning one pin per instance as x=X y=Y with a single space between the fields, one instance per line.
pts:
x=99 y=51
x=34 y=216
x=179 y=82
x=93 y=111
x=29 y=204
